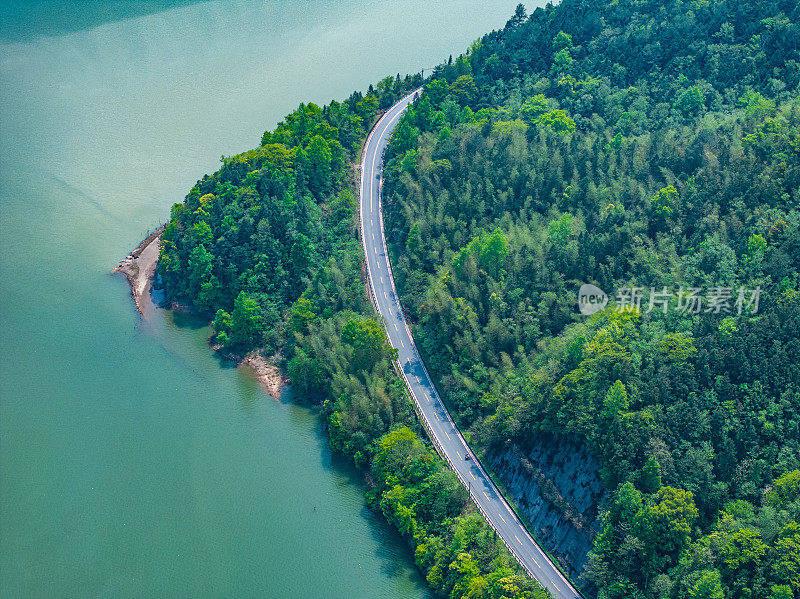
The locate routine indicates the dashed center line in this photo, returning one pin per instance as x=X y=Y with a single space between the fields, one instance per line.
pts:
x=376 y=224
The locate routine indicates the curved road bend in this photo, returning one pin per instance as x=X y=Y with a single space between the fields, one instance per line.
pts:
x=435 y=416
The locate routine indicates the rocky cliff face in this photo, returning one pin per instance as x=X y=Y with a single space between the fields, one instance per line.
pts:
x=556 y=485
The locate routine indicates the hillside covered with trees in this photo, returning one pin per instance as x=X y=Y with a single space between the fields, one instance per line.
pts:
x=267 y=246
x=632 y=144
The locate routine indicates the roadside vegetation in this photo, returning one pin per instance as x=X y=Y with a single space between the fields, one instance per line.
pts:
x=268 y=247
x=626 y=144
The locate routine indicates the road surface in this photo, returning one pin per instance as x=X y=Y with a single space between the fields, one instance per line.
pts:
x=435 y=416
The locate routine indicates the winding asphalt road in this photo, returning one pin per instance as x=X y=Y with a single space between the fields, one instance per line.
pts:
x=435 y=416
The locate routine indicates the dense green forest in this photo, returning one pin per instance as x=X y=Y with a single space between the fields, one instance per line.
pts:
x=267 y=246
x=631 y=144
x=628 y=144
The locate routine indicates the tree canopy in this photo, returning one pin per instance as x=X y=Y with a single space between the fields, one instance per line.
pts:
x=634 y=145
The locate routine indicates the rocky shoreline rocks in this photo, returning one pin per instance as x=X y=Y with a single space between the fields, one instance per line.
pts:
x=139 y=267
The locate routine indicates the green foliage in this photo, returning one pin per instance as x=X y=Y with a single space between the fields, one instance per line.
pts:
x=756 y=106
x=628 y=145
x=487 y=250
x=320 y=157
x=268 y=243
x=437 y=90
x=708 y=586
x=459 y=554
x=560 y=231
x=616 y=401
x=785 y=489
x=520 y=14
x=562 y=41
x=666 y=522
x=302 y=315
x=464 y=90
x=557 y=120
x=533 y=108
x=787 y=551
x=246 y=320
x=781 y=591
x=405 y=136
x=621 y=143
x=368 y=341
x=663 y=203
x=690 y=102
x=274 y=223
x=305 y=373
x=745 y=547
x=651 y=476
x=756 y=245
x=202 y=233
x=222 y=326
x=562 y=61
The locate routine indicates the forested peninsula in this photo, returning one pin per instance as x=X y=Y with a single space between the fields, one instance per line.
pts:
x=636 y=145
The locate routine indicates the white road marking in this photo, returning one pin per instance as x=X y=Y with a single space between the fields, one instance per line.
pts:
x=374 y=192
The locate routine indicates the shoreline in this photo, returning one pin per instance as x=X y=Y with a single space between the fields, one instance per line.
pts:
x=140 y=265
x=268 y=375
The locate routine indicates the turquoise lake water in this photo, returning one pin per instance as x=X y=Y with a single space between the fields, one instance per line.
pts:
x=132 y=462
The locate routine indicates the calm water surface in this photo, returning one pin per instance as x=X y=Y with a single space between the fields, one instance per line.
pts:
x=133 y=463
